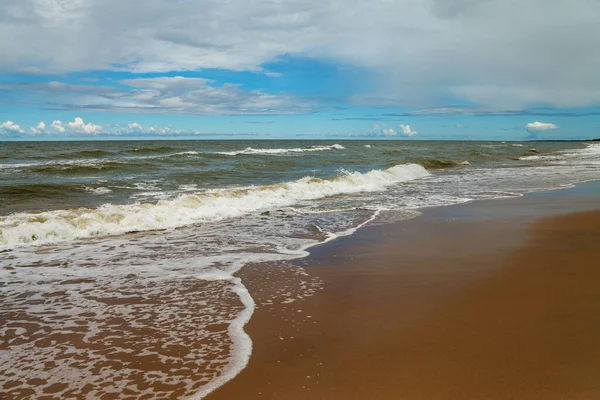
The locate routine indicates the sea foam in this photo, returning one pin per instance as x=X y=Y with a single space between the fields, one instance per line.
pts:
x=65 y=225
x=95 y=162
x=251 y=150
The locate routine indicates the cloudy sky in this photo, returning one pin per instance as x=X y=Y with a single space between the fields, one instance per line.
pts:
x=419 y=69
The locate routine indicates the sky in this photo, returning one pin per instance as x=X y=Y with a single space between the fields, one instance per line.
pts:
x=251 y=69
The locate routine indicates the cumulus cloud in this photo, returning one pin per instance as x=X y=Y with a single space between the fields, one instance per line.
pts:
x=163 y=130
x=39 y=128
x=11 y=127
x=479 y=50
x=58 y=126
x=407 y=130
x=77 y=125
x=540 y=126
x=135 y=127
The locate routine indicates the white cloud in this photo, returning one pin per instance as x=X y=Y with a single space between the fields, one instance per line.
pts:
x=540 y=126
x=58 y=126
x=78 y=126
x=41 y=127
x=11 y=127
x=135 y=127
x=460 y=48
x=163 y=130
x=389 y=132
x=407 y=131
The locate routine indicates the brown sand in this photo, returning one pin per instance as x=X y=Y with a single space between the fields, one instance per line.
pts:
x=493 y=300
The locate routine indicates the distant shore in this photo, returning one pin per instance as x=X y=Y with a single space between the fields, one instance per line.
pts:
x=486 y=300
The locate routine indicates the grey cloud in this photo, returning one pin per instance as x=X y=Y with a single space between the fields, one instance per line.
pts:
x=452 y=9
x=173 y=95
x=501 y=54
x=481 y=112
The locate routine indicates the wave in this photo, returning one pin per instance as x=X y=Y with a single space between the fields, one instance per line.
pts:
x=67 y=165
x=590 y=150
x=586 y=154
x=85 y=153
x=151 y=150
x=83 y=168
x=181 y=154
x=89 y=164
x=434 y=163
x=535 y=158
x=26 y=191
x=21 y=229
x=251 y=150
x=98 y=191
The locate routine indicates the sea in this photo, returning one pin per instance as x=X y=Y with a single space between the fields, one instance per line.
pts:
x=118 y=259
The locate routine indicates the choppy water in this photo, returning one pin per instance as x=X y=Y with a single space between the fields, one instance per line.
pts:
x=101 y=238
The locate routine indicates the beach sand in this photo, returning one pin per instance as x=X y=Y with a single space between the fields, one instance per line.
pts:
x=486 y=300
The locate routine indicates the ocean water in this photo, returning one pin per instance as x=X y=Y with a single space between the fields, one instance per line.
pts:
x=118 y=259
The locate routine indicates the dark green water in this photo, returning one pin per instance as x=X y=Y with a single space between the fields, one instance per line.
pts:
x=51 y=175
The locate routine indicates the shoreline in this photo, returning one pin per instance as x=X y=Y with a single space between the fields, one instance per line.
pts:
x=309 y=327
x=296 y=351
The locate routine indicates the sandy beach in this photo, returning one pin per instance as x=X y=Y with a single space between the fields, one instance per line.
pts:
x=486 y=300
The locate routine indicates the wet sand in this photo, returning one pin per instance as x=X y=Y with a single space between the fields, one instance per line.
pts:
x=488 y=300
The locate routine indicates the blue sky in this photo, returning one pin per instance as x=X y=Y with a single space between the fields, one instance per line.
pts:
x=453 y=69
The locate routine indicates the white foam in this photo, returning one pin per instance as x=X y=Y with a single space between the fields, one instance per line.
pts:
x=95 y=162
x=183 y=153
x=188 y=188
x=592 y=150
x=530 y=158
x=588 y=154
x=86 y=162
x=65 y=225
x=241 y=343
x=98 y=190
x=251 y=150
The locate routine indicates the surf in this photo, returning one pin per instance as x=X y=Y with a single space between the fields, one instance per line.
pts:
x=56 y=226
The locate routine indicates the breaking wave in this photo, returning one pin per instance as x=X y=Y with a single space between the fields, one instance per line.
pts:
x=65 y=225
x=89 y=164
x=250 y=150
x=434 y=163
x=588 y=154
